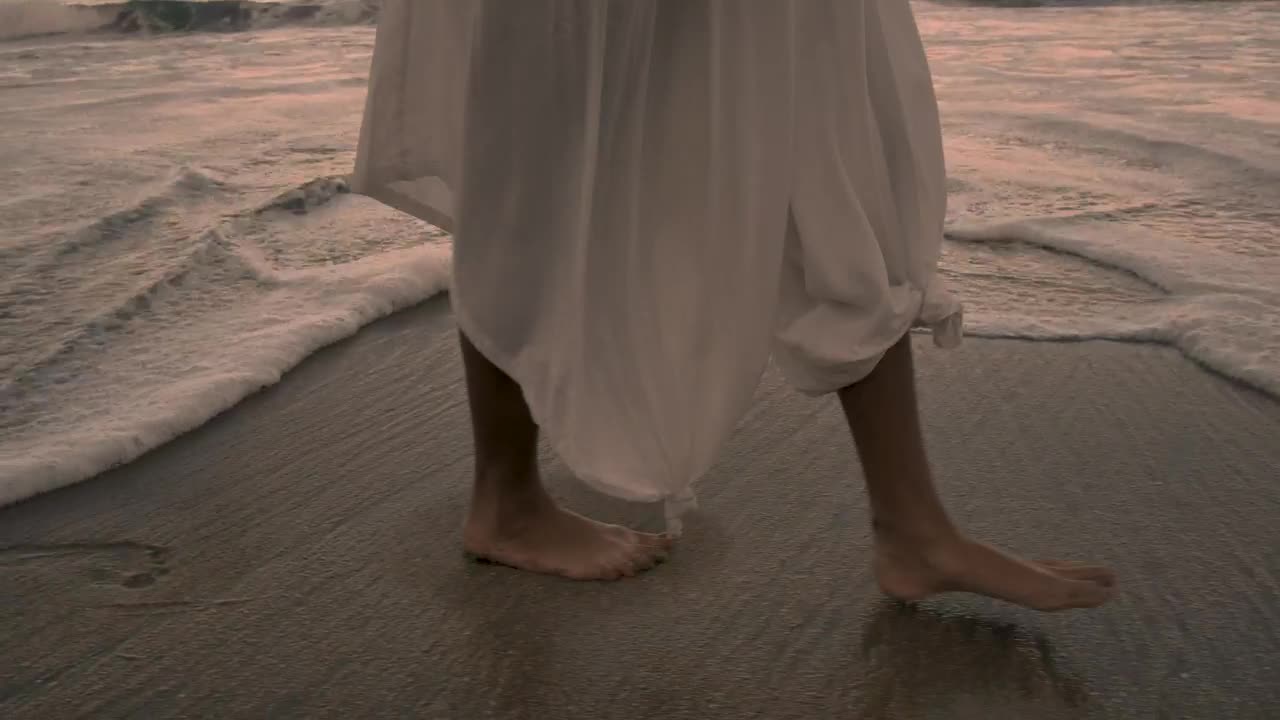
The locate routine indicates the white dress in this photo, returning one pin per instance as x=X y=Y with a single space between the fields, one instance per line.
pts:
x=649 y=197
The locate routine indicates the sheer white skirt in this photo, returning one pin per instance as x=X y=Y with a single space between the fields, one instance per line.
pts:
x=649 y=197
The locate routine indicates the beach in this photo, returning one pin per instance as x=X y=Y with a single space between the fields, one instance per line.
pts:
x=235 y=449
x=177 y=228
x=299 y=556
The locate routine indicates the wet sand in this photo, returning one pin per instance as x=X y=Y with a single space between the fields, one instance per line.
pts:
x=299 y=557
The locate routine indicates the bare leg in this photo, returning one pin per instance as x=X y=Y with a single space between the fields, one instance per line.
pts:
x=513 y=520
x=919 y=552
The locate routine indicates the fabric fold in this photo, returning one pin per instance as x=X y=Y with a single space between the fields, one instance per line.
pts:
x=650 y=197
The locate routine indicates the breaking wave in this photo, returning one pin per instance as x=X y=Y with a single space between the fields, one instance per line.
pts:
x=152 y=360
x=149 y=17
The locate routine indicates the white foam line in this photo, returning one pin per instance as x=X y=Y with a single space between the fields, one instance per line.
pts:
x=391 y=282
x=1228 y=326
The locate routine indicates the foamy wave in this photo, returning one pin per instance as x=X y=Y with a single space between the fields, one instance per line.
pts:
x=109 y=435
x=309 y=195
x=1066 y=3
x=187 y=183
x=46 y=17
x=154 y=16
x=223 y=321
x=1228 y=324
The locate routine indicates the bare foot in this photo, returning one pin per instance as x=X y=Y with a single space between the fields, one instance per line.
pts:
x=545 y=538
x=912 y=572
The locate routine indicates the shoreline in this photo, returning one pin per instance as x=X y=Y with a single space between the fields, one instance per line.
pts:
x=441 y=298
x=301 y=550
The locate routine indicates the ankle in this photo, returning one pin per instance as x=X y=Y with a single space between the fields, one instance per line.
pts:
x=503 y=502
x=501 y=480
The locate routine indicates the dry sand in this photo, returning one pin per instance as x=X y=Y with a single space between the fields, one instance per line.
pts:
x=299 y=557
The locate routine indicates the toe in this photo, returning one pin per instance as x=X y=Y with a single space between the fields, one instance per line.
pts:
x=1090 y=573
x=1084 y=594
x=650 y=542
x=604 y=572
x=654 y=540
x=643 y=551
x=1099 y=574
x=628 y=557
x=646 y=558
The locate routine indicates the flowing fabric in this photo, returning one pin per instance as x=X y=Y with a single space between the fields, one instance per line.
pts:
x=649 y=197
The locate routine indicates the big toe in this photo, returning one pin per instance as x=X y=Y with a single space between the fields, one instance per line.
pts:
x=1081 y=594
x=1099 y=574
x=601 y=570
x=643 y=552
x=660 y=541
x=647 y=557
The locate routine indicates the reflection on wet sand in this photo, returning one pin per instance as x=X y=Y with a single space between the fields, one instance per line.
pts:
x=924 y=662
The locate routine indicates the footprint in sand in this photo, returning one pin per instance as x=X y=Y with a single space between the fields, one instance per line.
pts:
x=128 y=565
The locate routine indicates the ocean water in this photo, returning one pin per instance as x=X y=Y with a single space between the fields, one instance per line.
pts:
x=176 y=230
